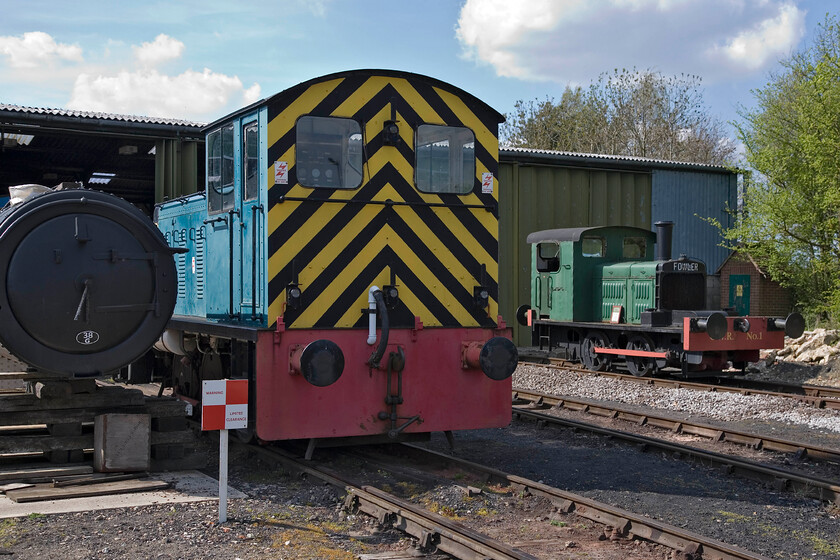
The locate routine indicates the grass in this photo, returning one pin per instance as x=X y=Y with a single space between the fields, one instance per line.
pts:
x=310 y=541
x=821 y=545
x=445 y=511
x=8 y=533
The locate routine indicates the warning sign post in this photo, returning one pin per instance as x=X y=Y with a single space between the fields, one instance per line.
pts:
x=224 y=406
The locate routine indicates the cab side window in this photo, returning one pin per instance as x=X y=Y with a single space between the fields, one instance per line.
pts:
x=593 y=247
x=548 y=257
x=220 y=170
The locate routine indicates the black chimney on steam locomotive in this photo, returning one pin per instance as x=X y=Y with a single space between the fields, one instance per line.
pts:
x=664 y=234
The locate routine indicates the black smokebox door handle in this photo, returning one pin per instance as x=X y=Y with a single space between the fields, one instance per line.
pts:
x=84 y=305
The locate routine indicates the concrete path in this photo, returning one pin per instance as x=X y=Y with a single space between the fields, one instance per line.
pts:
x=186 y=486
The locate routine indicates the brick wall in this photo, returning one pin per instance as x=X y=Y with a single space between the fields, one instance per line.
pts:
x=766 y=296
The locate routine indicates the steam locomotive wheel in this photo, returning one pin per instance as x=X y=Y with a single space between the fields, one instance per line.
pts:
x=591 y=359
x=640 y=366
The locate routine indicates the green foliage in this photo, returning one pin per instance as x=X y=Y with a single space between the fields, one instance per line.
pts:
x=628 y=112
x=790 y=223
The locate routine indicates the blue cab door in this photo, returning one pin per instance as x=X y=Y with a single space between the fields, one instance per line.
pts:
x=252 y=224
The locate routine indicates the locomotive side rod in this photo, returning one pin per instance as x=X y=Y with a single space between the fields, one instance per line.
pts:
x=628 y=352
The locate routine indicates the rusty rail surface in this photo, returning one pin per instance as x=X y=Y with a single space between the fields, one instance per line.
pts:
x=430 y=529
x=676 y=425
x=622 y=521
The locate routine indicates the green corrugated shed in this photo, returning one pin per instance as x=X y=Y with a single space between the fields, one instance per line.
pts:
x=541 y=189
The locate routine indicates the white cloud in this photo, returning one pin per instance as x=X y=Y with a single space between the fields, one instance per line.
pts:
x=127 y=85
x=37 y=49
x=190 y=95
x=163 y=48
x=766 y=40
x=575 y=40
x=490 y=29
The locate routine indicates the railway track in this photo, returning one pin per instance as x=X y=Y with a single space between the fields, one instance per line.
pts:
x=431 y=530
x=713 y=432
x=453 y=538
x=815 y=395
x=781 y=479
x=623 y=522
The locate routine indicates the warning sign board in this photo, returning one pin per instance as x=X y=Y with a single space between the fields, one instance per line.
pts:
x=224 y=404
x=487 y=183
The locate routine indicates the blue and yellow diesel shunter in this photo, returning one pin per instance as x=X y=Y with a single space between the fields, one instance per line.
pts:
x=344 y=258
x=604 y=297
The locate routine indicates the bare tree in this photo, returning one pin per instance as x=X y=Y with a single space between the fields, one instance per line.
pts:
x=627 y=112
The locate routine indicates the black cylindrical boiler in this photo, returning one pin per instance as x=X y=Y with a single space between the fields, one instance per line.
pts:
x=89 y=282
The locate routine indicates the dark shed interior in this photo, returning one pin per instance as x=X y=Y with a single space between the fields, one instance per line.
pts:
x=119 y=154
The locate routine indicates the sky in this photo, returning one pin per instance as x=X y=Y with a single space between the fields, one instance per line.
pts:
x=202 y=59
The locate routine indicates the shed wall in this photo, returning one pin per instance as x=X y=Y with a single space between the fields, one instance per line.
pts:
x=688 y=198
x=535 y=197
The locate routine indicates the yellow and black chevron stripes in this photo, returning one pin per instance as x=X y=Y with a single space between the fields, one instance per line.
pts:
x=335 y=244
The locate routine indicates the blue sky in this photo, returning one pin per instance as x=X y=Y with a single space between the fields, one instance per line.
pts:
x=201 y=59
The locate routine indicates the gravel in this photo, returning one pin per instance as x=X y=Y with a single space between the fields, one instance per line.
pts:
x=283 y=517
x=729 y=407
x=287 y=517
x=703 y=500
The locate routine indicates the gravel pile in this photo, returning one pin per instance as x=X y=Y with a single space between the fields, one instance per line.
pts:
x=719 y=406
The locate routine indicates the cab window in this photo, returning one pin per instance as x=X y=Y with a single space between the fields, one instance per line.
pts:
x=634 y=247
x=328 y=152
x=593 y=246
x=445 y=159
x=548 y=257
x=220 y=170
x=251 y=156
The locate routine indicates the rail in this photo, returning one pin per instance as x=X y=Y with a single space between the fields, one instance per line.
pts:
x=816 y=395
x=714 y=432
x=431 y=530
x=781 y=479
x=623 y=521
